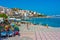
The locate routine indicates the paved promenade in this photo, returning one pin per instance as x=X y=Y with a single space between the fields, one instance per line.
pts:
x=36 y=32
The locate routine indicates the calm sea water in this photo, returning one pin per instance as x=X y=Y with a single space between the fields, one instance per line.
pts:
x=54 y=22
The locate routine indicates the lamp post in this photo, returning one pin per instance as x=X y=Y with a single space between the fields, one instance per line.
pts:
x=27 y=25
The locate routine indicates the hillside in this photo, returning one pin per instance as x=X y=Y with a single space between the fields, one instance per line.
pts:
x=19 y=13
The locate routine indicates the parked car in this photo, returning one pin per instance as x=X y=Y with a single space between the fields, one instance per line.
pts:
x=10 y=33
x=16 y=33
x=3 y=34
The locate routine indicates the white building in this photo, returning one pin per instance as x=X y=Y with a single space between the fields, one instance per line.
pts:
x=2 y=10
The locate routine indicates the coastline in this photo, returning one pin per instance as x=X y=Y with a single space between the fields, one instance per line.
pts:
x=46 y=17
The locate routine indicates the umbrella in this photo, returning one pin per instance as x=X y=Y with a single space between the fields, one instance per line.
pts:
x=16 y=28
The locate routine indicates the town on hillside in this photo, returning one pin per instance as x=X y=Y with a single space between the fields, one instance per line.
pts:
x=19 y=13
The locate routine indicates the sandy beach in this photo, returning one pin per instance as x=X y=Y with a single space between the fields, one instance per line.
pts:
x=36 y=32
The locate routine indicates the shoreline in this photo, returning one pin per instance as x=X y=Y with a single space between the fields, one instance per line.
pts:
x=42 y=25
x=45 y=17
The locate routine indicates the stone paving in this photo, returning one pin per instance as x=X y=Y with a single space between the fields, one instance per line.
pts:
x=36 y=32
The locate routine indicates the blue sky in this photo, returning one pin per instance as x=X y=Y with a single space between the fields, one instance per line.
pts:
x=48 y=7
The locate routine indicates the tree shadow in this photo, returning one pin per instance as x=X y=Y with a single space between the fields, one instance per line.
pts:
x=3 y=38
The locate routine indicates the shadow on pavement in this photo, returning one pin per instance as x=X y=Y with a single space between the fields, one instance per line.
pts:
x=3 y=38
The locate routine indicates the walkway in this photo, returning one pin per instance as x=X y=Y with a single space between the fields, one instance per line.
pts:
x=37 y=32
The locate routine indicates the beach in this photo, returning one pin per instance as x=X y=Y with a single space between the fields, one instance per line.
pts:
x=36 y=32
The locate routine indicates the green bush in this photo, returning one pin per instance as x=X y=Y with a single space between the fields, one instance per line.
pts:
x=3 y=15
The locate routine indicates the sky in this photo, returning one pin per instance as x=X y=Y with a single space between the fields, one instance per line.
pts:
x=47 y=7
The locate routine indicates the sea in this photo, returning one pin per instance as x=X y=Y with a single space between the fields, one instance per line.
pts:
x=52 y=22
